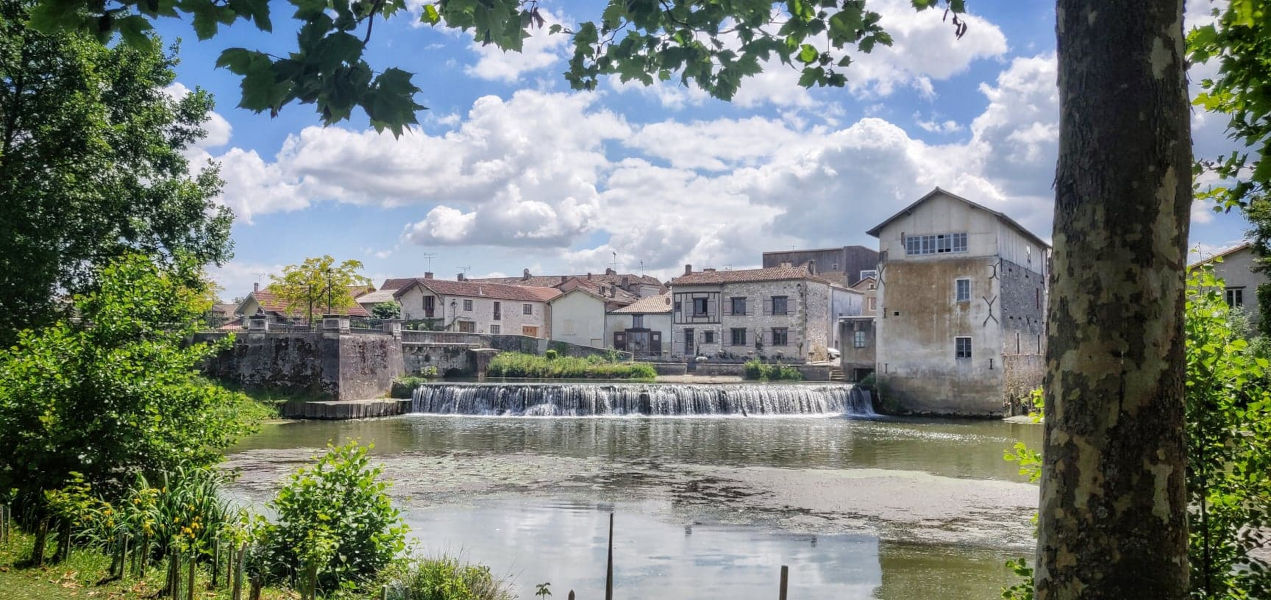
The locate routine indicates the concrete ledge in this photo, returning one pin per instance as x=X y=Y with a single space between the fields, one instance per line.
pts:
x=348 y=409
x=665 y=368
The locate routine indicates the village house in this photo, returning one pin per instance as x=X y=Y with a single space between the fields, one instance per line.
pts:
x=774 y=312
x=640 y=285
x=474 y=307
x=268 y=303
x=846 y=266
x=642 y=328
x=961 y=308
x=1234 y=266
x=578 y=313
x=380 y=296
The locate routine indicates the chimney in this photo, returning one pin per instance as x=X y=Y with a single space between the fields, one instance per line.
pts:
x=428 y=275
x=256 y=286
x=589 y=276
x=525 y=274
x=610 y=272
x=564 y=278
x=460 y=277
x=688 y=269
x=812 y=267
x=613 y=291
x=626 y=281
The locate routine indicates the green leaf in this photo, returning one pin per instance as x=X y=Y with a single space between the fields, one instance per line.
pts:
x=430 y=15
x=808 y=53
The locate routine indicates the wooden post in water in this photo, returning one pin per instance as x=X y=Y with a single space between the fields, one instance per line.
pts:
x=785 y=581
x=609 y=567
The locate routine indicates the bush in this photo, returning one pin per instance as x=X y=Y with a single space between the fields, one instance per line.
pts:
x=758 y=370
x=550 y=354
x=333 y=521
x=516 y=364
x=404 y=387
x=443 y=579
x=869 y=382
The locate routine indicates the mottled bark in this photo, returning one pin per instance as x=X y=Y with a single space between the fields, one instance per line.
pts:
x=1113 y=521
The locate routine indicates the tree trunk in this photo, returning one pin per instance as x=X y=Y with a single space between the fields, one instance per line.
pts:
x=1113 y=507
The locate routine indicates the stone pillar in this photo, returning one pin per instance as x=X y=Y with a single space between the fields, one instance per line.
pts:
x=258 y=324
x=393 y=327
x=335 y=324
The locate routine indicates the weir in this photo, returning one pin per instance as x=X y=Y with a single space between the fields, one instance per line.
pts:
x=655 y=399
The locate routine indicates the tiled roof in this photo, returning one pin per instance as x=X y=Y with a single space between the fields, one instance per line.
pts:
x=270 y=302
x=555 y=280
x=746 y=276
x=1222 y=254
x=376 y=297
x=477 y=289
x=609 y=292
x=660 y=303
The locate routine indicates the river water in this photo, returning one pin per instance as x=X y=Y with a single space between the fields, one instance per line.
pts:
x=705 y=507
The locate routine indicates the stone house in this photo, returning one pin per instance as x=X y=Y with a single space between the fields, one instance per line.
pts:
x=473 y=307
x=869 y=287
x=640 y=285
x=857 y=346
x=846 y=265
x=961 y=308
x=1235 y=267
x=578 y=313
x=267 y=302
x=775 y=312
x=642 y=328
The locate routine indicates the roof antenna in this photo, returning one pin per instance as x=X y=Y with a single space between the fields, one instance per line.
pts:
x=428 y=257
x=615 y=260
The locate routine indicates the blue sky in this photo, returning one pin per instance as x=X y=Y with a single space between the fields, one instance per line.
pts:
x=511 y=170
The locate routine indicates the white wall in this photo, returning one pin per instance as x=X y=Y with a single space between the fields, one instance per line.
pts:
x=512 y=319
x=579 y=318
x=1236 y=271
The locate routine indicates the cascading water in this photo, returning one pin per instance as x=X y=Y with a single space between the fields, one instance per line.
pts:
x=618 y=399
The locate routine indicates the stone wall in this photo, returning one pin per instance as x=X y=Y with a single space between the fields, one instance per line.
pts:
x=1023 y=373
x=330 y=365
x=444 y=357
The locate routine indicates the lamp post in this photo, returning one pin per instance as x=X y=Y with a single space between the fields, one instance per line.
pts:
x=454 y=314
x=329 y=290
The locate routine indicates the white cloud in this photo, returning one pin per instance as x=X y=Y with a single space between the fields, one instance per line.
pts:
x=539 y=51
x=235 y=278
x=218 y=129
x=934 y=125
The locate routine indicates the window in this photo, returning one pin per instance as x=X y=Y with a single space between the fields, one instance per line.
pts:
x=962 y=289
x=467 y=326
x=779 y=305
x=699 y=307
x=739 y=305
x=858 y=339
x=498 y=311
x=637 y=321
x=494 y=330
x=708 y=337
x=962 y=347
x=1235 y=297
x=780 y=336
x=873 y=303
x=739 y=336
x=529 y=330
x=869 y=273
x=677 y=306
x=527 y=309
x=940 y=243
x=467 y=305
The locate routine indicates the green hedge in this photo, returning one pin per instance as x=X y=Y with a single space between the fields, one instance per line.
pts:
x=516 y=364
x=754 y=369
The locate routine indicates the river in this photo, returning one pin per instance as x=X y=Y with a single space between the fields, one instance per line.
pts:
x=705 y=507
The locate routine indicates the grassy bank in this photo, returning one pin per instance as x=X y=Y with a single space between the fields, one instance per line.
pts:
x=761 y=371
x=516 y=364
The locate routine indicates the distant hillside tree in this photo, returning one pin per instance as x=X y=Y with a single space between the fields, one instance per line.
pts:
x=318 y=286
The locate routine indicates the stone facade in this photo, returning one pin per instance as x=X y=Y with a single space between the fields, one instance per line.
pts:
x=961 y=293
x=785 y=312
x=333 y=365
x=841 y=265
x=478 y=308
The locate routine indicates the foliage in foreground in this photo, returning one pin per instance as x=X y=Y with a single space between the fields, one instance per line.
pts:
x=334 y=523
x=442 y=579
x=93 y=166
x=759 y=370
x=1228 y=410
x=516 y=364
x=115 y=392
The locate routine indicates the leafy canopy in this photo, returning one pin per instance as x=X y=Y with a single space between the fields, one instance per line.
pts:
x=712 y=44
x=318 y=285
x=117 y=390
x=91 y=166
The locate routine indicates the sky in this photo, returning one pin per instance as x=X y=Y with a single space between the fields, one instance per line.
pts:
x=509 y=169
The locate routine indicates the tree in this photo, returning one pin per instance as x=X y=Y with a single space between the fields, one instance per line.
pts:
x=91 y=167
x=116 y=391
x=1113 y=504
x=318 y=283
x=386 y=310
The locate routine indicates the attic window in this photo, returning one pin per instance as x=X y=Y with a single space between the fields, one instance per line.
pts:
x=940 y=243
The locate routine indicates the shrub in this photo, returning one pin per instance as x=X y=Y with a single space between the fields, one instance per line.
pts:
x=404 y=387
x=756 y=369
x=443 y=579
x=550 y=354
x=333 y=519
x=516 y=364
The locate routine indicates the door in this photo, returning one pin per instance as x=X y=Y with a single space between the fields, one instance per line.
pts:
x=655 y=342
x=638 y=342
x=467 y=327
x=529 y=330
x=688 y=342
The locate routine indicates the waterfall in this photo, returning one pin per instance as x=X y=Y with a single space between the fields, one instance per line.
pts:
x=618 y=399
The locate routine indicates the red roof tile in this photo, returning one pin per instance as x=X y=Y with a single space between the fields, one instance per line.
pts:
x=476 y=289
x=746 y=276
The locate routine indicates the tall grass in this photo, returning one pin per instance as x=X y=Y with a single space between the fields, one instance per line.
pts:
x=516 y=364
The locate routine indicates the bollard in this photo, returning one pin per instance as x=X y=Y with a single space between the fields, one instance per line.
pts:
x=785 y=581
x=189 y=583
x=609 y=567
x=216 y=561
